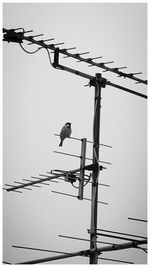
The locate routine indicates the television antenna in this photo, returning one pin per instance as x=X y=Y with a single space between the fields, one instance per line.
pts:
x=79 y=175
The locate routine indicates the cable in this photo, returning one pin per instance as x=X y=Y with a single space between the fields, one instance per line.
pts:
x=37 y=51
x=49 y=57
x=74 y=186
x=88 y=179
x=84 y=184
x=29 y=51
x=144 y=249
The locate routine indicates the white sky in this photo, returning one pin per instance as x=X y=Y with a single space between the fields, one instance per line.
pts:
x=38 y=100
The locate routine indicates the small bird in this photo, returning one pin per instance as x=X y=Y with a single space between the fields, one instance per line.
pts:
x=65 y=132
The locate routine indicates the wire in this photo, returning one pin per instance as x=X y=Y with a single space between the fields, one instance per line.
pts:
x=88 y=180
x=37 y=51
x=29 y=51
x=89 y=177
x=144 y=249
x=74 y=186
x=49 y=57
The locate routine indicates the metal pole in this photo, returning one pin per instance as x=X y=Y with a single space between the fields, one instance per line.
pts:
x=82 y=169
x=94 y=197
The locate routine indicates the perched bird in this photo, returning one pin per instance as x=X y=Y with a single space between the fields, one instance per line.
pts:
x=65 y=132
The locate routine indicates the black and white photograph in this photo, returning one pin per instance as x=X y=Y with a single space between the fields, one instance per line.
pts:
x=74 y=132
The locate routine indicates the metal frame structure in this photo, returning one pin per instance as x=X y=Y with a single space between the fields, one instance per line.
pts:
x=98 y=82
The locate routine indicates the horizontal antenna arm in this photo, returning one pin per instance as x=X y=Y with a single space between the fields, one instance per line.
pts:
x=126 y=89
x=115 y=247
x=90 y=77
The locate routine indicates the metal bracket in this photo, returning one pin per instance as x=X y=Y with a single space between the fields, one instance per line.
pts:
x=14 y=37
x=70 y=177
x=56 y=58
x=99 y=79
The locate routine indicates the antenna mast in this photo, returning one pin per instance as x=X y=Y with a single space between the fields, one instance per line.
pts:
x=99 y=82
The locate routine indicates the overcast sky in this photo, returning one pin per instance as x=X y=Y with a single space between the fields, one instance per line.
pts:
x=38 y=100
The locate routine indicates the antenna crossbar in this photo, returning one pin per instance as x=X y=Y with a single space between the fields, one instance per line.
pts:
x=70 y=195
x=136 y=219
x=117 y=237
x=64 y=252
x=90 y=77
x=84 y=239
x=121 y=233
x=88 y=252
x=76 y=156
x=80 y=139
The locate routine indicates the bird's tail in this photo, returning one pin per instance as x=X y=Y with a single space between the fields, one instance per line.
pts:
x=61 y=142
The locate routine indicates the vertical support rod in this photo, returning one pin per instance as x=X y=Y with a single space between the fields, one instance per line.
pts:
x=56 y=58
x=95 y=174
x=82 y=170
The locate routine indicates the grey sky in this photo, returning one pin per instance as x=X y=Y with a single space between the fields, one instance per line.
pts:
x=38 y=100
